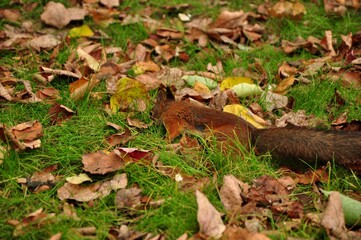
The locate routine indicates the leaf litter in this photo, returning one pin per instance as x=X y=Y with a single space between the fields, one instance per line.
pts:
x=92 y=63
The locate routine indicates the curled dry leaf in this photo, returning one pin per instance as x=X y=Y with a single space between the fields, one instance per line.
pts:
x=81 y=86
x=59 y=113
x=209 y=219
x=119 y=138
x=22 y=136
x=48 y=94
x=133 y=122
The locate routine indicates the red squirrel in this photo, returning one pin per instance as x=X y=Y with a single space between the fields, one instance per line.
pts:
x=289 y=144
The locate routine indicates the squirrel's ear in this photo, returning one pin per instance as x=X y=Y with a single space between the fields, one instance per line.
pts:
x=164 y=96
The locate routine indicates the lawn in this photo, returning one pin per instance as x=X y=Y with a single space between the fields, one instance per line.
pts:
x=143 y=44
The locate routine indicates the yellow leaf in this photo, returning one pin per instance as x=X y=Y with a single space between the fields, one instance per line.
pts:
x=82 y=31
x=246 y=114
x=232 y=81
x=129 y=94
x=201 y=88
x=284 y=84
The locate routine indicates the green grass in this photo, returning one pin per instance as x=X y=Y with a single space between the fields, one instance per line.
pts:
x=85 y=132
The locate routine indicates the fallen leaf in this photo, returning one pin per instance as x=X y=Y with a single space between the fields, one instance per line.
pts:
x=81 y=86
x=128 y=198
x=56 y=15
x=78 y=179
x=231 y=193
x=351 y=208
x=333 y=218
x=110 y=3
x=209 y=219
x=274 y=100
x=59 y=113
x=35 y=219
x=119 y=138
x=242 y=234
x=130 y=94
x=93 y=191
x=82 y=31
x=246 y=114
x=288 y=9
x=44 y=42
x=89 y=59
x=191 y=80
x=102 y=163
x=133 y=122
x=229 y=82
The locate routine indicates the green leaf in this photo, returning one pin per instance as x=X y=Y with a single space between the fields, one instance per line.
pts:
x=351 y=209
x=191 y=81
x=246 y=89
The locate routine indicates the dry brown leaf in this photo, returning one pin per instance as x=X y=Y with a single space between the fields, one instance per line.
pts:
x=133 y=122
x=44 y=42
x=69 y=211
x=56 y=15
x=128 y=198
x=102 y=163
x=87 y=193
x=119 y=138
x=78 y=192
x=284 y=85
x=231 y=193
x=91 y=62
x=35 y=219
x=86 y=232
x=59 y=113
x=348 y=78
x=59 y=72
x=333 y=219
x=56 y=236
x=274 y=100
x=22 y=136
x=81 y=86
x=10 y=14
x=238 y=233
x=209 y=219
x=298 y=118
x=48 y=94
x=149 y=80
x=27 y=131
x=110 y=3
x=288 y=9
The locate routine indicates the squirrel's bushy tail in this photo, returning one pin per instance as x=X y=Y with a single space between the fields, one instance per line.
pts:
x=309 y=145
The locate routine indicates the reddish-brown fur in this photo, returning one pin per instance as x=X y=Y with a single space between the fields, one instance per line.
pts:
x=290 y=144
